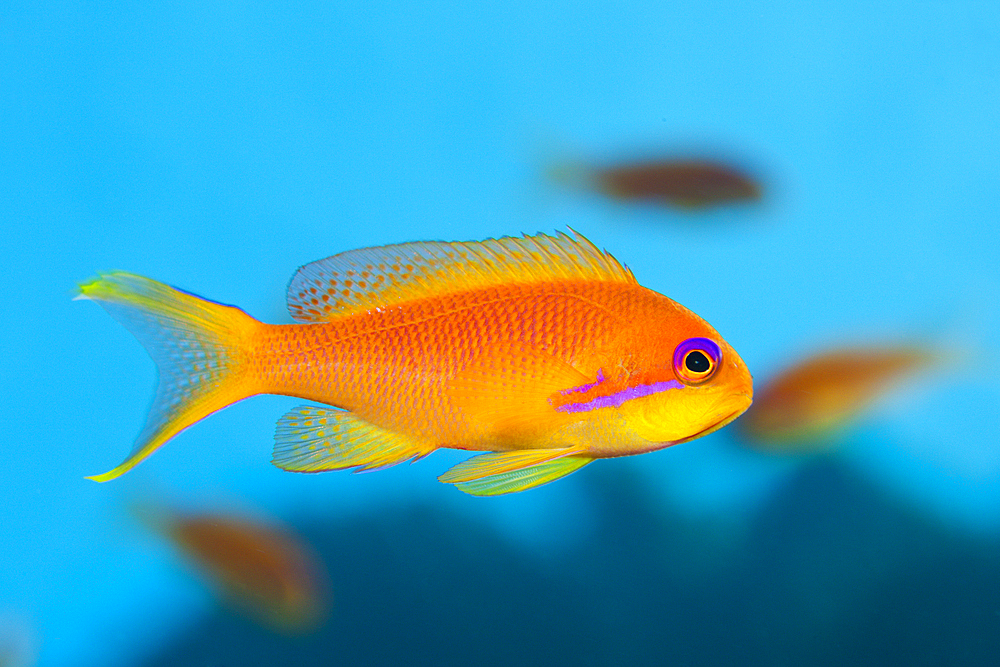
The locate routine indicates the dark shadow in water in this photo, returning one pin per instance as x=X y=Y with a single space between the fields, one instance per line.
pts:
x=830 y=572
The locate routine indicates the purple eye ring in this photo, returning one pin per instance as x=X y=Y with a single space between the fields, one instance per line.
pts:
x=696 y=360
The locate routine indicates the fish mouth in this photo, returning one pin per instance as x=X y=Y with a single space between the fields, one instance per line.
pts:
x=722 y=421
x=711 y=428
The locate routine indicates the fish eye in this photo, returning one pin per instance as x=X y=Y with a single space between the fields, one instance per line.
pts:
x=696 y=360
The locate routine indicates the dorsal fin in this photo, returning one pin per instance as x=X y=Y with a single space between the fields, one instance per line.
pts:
x=360 y=280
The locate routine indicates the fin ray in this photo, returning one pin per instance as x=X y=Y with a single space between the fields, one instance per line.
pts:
x=198 y=347
x=498 y=473
x=359 y=280
x=314 y=439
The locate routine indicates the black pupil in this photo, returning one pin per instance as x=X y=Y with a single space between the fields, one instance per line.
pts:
x=697 y=362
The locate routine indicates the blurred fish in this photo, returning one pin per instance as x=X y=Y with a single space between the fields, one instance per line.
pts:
x=543 y=350
x=264 y=570
x=806 y=405
x=682 y=183
x=18 y=640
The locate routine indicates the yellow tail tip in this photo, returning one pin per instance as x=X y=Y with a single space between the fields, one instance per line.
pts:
x=108 y=285
x=107 y=476
x=132 y=461
x=84 y=291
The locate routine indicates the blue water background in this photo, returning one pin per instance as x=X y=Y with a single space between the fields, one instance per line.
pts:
x=219 y=146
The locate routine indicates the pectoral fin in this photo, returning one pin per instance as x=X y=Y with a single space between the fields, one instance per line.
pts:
x=498 y=473
x=313 y=439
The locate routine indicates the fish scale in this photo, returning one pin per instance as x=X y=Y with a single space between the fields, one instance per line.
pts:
x=421 y=347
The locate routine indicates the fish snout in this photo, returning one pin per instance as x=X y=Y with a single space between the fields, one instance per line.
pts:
x=729 y=407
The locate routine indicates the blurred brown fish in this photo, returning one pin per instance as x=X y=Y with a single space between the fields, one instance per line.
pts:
x=804 y=406
x=18 y=640
x=266 y=571
x=692 y=183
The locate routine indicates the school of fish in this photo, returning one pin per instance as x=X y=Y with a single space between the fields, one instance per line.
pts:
x=542 y=351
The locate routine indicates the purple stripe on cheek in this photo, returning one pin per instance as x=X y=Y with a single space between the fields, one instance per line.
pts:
x=586 y=387
x=616 y=399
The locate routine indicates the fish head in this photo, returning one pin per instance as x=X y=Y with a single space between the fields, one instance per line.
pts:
x=699 y=386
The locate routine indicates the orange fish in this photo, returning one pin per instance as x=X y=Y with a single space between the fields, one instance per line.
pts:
x=268 y=572
x=809 y=402
x=541 y=350
x=684 y=183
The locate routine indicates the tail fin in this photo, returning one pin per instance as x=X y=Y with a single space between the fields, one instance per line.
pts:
x=199 y=347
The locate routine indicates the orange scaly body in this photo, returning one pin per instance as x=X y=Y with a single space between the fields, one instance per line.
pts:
x=543 y=350
x=395 y=367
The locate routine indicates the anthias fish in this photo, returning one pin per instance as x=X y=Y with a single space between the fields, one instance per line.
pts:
x=543 y=351
x=691 y=183
x=267 y=571
x=808 y=403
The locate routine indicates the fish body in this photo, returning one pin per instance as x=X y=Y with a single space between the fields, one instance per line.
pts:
x=810 y=402
x=682 y=183
x=265 y=570
x=541 y=350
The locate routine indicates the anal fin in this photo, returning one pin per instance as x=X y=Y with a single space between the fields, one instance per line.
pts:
x=498 y=473
x=314 y=439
